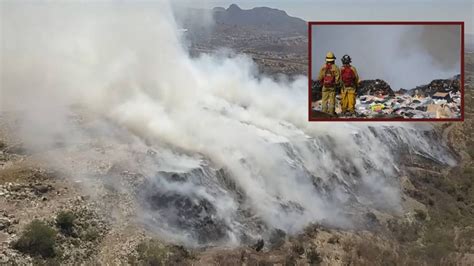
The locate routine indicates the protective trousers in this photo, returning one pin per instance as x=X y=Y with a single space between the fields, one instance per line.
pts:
x=343 y=100
x=329 y=100
x=348 y=99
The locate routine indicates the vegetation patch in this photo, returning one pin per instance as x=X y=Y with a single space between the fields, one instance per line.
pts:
x=153 y=252
x=91 y=234
x=314 y=258
x=65 y=221
x=38 y=239
x=420 y=215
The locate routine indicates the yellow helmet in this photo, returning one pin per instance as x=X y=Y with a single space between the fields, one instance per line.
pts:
x=330 y=57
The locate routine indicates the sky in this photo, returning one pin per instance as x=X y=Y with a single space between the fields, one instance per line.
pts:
x=368 y=10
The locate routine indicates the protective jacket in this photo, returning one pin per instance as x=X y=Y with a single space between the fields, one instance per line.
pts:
x=349 y=76
x=329 y=76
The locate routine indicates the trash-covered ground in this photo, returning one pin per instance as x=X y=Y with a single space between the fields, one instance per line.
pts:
x=441 y=98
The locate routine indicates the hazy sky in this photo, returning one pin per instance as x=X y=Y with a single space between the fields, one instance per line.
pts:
x=403 y=55
x=321 y=10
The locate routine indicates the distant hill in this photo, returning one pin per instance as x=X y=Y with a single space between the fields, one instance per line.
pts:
x=265 y=18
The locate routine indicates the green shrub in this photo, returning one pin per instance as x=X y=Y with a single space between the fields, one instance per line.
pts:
x=314 y=258
x=38 y=261
x=65 y=221
x=333 y=240
x=420 y=215
x=38 y=238
x=404 y=231
x=152 y=252
x=91 y=234
x=290 y=261
x=298 y=249
x=468 y=171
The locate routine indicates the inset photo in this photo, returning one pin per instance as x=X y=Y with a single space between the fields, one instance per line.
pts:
x=386 y=71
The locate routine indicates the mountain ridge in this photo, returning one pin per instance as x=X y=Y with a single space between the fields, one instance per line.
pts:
x=263 y=17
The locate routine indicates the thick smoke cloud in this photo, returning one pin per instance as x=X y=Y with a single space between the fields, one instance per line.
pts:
x=112 y=84
x=405 y=56
x=441 y=42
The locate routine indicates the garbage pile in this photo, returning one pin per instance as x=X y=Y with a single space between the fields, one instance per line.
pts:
x=374 y=87
x=406 y=106
x=436 y=86
x=316 y=90
x=441 y=98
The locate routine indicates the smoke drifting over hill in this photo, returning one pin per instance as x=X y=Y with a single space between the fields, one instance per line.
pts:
x=405 y=56
x=246 y=159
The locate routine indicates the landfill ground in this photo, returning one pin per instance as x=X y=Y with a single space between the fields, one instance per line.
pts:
x=440 y=99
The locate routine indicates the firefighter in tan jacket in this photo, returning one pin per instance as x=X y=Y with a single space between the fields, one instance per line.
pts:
x=350 y=82
x=329 y=77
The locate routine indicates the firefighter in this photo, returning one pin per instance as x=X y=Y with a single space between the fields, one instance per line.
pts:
x=350 y=82
x=329 y=77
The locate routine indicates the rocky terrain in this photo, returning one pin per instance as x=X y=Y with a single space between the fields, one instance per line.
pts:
x=435 y=226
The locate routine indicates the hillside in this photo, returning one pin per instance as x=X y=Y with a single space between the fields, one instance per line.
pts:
x=169 y=159
x=435 y=226
x=275 y=41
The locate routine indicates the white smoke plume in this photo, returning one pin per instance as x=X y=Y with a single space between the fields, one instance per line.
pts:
x=405 y=56
x=122 y=66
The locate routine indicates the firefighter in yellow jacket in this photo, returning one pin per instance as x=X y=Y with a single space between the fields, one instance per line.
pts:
x=329 y=77
x=350 y=82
